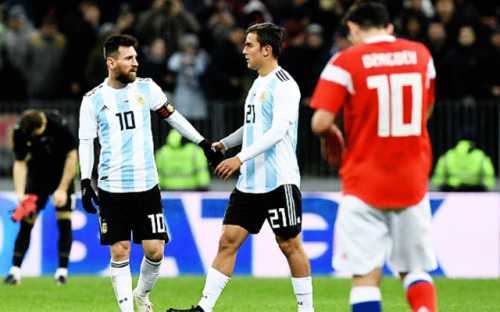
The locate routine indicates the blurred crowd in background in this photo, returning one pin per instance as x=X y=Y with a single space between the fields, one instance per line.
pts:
x=192 y=48
x=51 y=53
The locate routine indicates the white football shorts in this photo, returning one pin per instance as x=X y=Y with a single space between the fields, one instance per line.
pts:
x=366 y=236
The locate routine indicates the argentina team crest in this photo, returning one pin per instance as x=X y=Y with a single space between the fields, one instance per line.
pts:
x=139 y=98
x=262 y=97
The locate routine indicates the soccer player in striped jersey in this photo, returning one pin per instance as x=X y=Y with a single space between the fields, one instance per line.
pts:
x=386 y=88
x=118 y=112
x=268 y=186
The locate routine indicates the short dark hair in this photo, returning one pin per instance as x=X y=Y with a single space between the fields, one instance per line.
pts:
x=367 y=15
x=30 y=121
x=268 y=34
x=114 y=42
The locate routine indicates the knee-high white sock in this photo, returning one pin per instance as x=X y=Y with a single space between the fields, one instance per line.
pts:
x=122 y=284
x=302 y=287
x=214 y=285
x=150 y=271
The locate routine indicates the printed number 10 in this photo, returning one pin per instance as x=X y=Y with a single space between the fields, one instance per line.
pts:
x=157 y=223
x=390 y=103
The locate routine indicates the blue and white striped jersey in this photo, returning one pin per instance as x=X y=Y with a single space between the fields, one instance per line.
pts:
x=121 y=119
x=272 y=97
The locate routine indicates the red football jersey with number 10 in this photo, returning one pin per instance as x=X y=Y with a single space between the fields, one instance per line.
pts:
x=385 y=86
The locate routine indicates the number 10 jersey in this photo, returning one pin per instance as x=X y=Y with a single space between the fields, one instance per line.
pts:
x=385 y=87
x=121 y=119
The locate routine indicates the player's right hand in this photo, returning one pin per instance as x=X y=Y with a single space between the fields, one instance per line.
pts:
x=332 y=146
x=214 y=155
x=87 y=195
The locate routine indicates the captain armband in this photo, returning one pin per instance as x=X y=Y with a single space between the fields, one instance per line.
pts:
x=166 y=110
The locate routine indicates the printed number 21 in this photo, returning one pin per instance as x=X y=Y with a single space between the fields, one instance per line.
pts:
x=390 y=103
x=250 y=113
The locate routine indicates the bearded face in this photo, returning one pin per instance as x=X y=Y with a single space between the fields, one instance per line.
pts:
x=125 y=65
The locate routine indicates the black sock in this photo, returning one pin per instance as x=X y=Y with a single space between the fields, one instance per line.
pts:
x=65 y=241
x=22 y=243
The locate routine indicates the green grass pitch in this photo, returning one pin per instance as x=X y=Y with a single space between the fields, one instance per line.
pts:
x=243 y=294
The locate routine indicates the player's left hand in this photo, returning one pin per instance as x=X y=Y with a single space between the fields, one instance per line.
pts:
x=226 y=168
x=214 y=156
x=59 y=198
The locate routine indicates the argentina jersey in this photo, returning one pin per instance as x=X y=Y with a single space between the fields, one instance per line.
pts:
x=121 y=119
x=272 y=97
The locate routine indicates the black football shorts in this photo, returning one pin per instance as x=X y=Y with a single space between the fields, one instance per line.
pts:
x=140 y=213
x=282 y=207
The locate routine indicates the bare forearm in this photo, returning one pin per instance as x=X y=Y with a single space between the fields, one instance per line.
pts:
x=20 y=173
x=69 y=170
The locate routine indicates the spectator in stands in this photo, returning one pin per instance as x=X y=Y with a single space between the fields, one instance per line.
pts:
x=83 y=35
x=412 y=22
x=437 y=43
x=182 y=165
x=491 y=66
x=225 y=79
x=189 y=64
x=154 y=65
x=340 y=42
x=317 y=56
x=464 y=168
x=169 y=20
x=447 y=15
x=45 y=62
x=14 y=54
x=413 y=28
x=461 y=67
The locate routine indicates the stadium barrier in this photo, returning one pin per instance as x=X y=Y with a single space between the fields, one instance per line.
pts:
x=445 y=127
x=466 y=231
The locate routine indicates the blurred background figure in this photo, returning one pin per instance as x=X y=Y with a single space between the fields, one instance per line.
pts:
x=491 y=66
x=189 y=64
x=14 y=54
x=464 y=168
x=154 y=65
x=83 y=36
x=182 y=165
x=169 y=20
x=461 y=66
x=45 y=62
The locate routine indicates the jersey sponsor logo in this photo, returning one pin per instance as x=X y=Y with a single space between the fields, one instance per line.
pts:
x=389 y=59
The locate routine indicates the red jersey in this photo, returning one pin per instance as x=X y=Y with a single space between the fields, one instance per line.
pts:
x=385 y=86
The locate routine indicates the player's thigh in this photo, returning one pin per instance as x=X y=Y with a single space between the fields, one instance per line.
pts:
x=411 y=235
x=361 y=237
x=284 y=211
x=148 y=217
x=114 y=218
x=245 y=210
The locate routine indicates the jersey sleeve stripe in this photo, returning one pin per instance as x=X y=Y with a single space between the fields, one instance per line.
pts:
x=431 y=73
x=338 y=75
